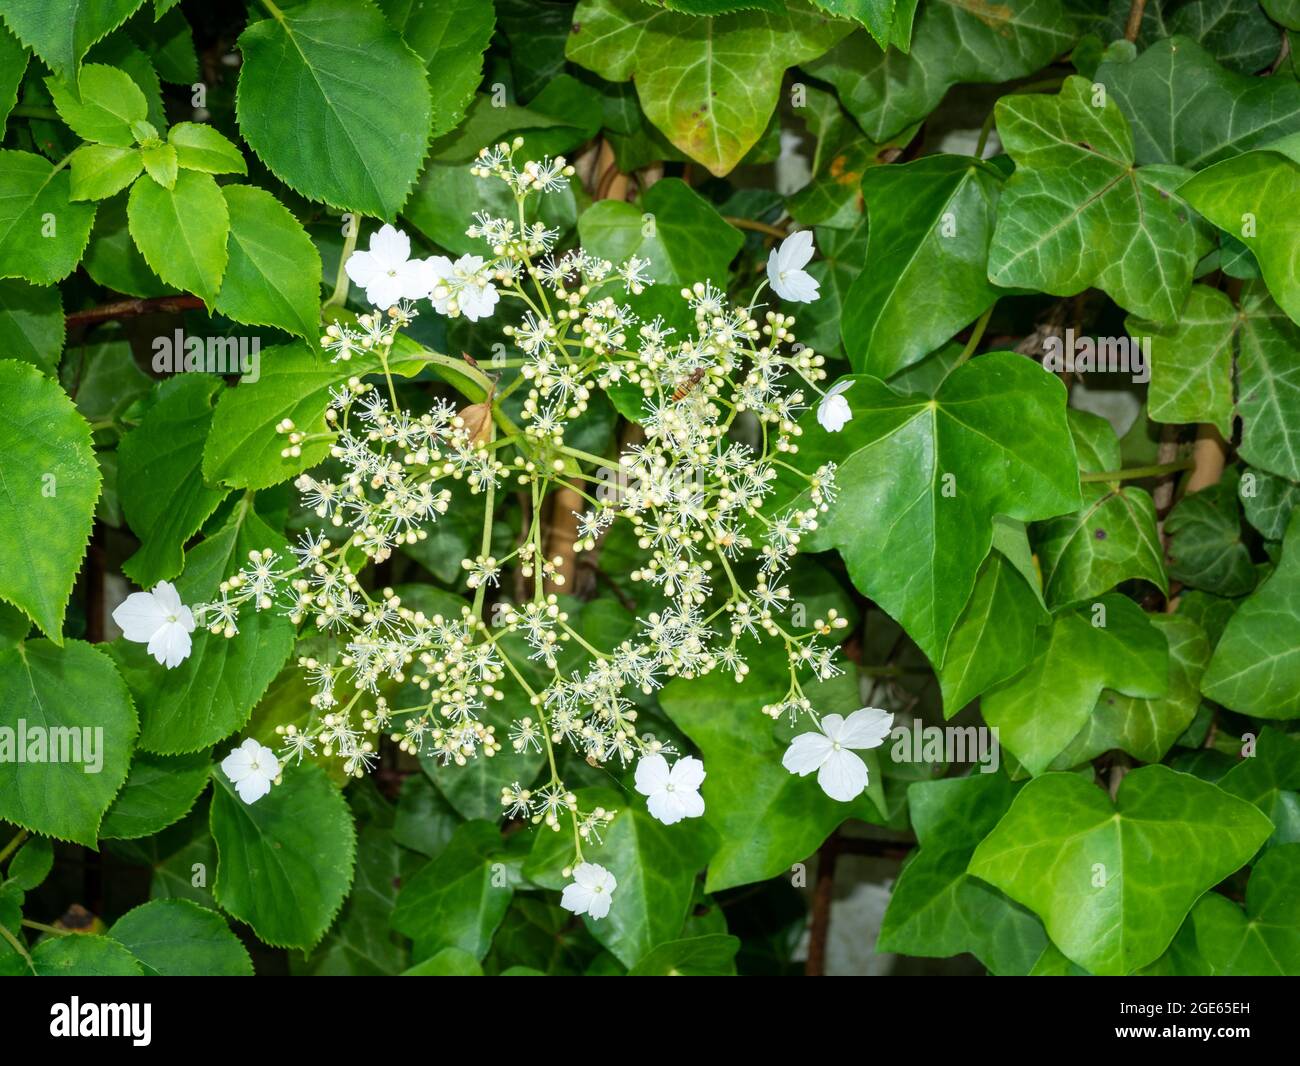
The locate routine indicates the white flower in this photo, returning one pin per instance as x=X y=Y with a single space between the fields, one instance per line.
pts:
x=834 y=412
x=461 y=288
x=841 y=774
x=387 y=272
x=251 y=768
x=673 y=794
x=591 y=890
x=785 y=268
x=160 y=620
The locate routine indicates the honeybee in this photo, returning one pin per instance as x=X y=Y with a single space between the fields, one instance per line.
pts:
x=684 y=389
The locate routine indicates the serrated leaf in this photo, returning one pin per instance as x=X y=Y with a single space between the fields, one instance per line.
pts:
x=13 y=65
x=61 y=31
x=84 y=955
x=200 y=147
x=42 y=231
x=32 y=863
x=178 y=938
x=159 y=790
x=160 y=163
x=100 y=171
x=182 y=231
x=31 y=323
x=103 y=106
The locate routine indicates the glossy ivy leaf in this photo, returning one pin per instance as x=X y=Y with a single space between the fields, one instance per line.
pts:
x=920 y=479
x=1184 y=108
x=1269 y=777
x=86 y=955
x=450 y=37
x=1109 y=643
x=952 y=43
x=178 y=938
x=1147 y=728
x=936 y=908
x=212 y=693
x=31 y=323
x=655 y=865
x=181 y=231
x=458 y=899
x=273 y=273
x=1113 y=882
x=1268 y=395
x=1256 y=665
x=72 y=697
x=925 y=275
x=1205 y=541
x=42 y=231
x=710 y=84
x=1268 y=501
x=1113 y=538
x=51 y=486
x=200 y=147
x=285 y=862
x=325 y=56
x=161 y=484
x=1250 y=197
x=61 y=31
x=711 y=955
x=1076 y=213
x=159 y=791
x=105 y=106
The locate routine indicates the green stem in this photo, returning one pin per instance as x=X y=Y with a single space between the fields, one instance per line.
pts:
x=42 y=927
x=31 y=111
x=1135 y=473
x=12 y=846
x=341 y=281
x=976 y=335
x=17 y=945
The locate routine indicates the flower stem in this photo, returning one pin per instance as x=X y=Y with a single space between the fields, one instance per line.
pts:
x=1135 y=473
x=341 y=281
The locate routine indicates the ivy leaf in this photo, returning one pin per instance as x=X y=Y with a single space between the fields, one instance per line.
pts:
x=47 y=504
x=178 y=938
x=1077 y=213
x=273 y=275
x=458 y=899
x=1256 y=665
x=1113 y=538
x=104 y=106
x=712 y=955
x=61 y=31
x=68 y=696
x=953 y=42
x=1106 y=644
x=31 y=323
x=920 y=479
x=160 y=482
x=200 y=147
x=925 y=274
x=1147 y=728
x=1113 y=882
x=285 y=862
x=212 y=693
x=84 y=955
x=711 y=83
x=42 y=232
x=936 y=908
x=1205 y=545
x=159 y=791
x=361 y=101
x=1268 y=385
x=1269 y=777
x=1268 y=501
x=1250 y=197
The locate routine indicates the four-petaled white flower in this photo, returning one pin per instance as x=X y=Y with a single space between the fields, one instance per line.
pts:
x=674 y=793
x=252 y=768
x=461 y=287
x=160 y=620
x=841 y=774
x=591 y=890
x=785 y=268
x=834 y=412
x=387 y=272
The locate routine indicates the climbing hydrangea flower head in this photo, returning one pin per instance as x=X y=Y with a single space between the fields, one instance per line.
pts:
x=159 y=620
x=719 y=408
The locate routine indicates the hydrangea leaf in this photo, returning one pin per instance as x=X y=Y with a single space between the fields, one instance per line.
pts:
x=62 y=31
x=47 y=504
x=925 y=274
x=711 y=83
x=42 y=231
x=284 y=863
x=13 y=65
x=1078 y=213
x=31 y=323
x=104 y=106
x=160 y=481
x=921 y=478
x=1205 y=541
x=86 y=955
x=181 y=231
x=1256 y=665
x=200 y=147
x=1112 y=882
x=100 y=171
x=159 y=791
x=178 y=938
x=70 y=696
x=936 y=908
x=1106 y=644
x=360 y=100
x=1113 y=538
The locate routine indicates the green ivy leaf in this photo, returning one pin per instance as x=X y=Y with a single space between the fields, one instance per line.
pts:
x=712 y=955
x=159 y=791
x=32 y=863
x=1268 y=396
x=1269 y=777
x=1205 y=545
x=42 y=232
x=181 y=231
x=62 y=692
x=1268 y=501
x=51 y=482
x=61 y=31
x=104 y=106
x=31 y=323
x=285 y=862
x=325 y=55
x=178 y=938
x=1077 y=213
x=1113 y=882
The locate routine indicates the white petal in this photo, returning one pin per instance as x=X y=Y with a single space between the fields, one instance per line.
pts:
x=363 y=268
x=806 y=752
x=390 y=246
x=798 y=286
x=692 y=803
x=652 y=775
x=665 y=807
x=589 y=874
x=866 y=728
x=413 y=279
x=140 y=616
x=843 y=776
x=476 y=303
x=237 y=765
x=832 y=724
x=384 y=290
x=170 y=645
x=576 y=898
x=834 y=413
x=796 y=250
x=165 y=593
x=599 y=905
x=253 y=788
x=687 y=773
x=840 y=386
